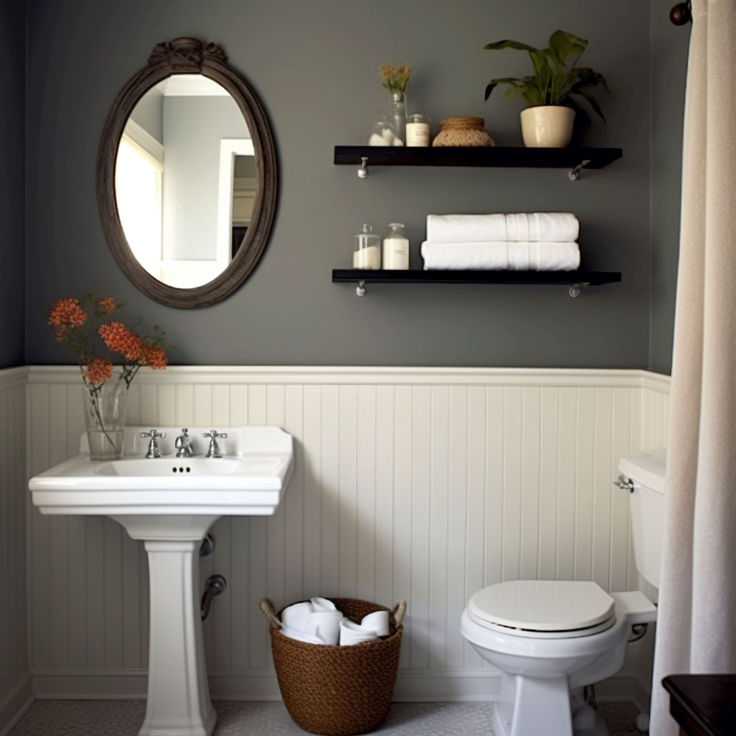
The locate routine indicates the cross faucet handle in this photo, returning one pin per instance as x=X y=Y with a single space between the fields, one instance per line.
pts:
x=153 y=449
x=214 y=448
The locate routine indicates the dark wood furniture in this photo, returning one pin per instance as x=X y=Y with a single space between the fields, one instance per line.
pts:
x=703 y=705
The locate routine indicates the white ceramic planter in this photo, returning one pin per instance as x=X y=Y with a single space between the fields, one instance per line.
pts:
x=547 y=126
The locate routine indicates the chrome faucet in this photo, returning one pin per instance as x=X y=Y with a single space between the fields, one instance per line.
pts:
x=183 y=444
x=214 y=449
x=153 y=449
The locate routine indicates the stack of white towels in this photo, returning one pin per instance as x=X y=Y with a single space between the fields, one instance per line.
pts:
x=318 y=621
x=534 y=241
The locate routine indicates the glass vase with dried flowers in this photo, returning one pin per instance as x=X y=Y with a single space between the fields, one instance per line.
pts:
x=110 y=354
x=396 y=79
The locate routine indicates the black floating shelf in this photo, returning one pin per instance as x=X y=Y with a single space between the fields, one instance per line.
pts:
x=575 y=279
x=510 y=157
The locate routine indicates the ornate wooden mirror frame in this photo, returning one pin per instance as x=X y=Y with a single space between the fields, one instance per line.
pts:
x=189 y=56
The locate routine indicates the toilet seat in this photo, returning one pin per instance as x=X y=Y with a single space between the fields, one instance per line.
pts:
x=543 y=608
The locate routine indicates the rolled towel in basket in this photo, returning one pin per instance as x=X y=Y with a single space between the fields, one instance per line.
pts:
x=501 y=256
x=555 y=227
x=352 y=633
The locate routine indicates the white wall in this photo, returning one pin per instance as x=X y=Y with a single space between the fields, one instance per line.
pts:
x=193 y=130
x=15 y=685
x=419 y=483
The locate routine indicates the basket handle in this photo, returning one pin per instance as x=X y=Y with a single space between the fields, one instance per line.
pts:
x=398 y=612
x=269 y=611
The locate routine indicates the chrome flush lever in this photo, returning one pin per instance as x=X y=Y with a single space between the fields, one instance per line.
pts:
x=624 y=483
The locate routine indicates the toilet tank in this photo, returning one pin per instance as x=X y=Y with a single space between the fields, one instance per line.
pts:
x=646 y=506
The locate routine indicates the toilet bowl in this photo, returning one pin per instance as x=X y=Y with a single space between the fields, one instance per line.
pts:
x=550 y=638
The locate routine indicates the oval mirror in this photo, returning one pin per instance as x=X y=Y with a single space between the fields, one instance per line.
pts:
x=187 y=176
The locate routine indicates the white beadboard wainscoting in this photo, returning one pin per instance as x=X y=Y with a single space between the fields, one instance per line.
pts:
x=15 y=677
x=425 y=484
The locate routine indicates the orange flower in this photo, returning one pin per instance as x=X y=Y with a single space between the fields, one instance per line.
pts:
x=66 y=313
x=119 y=338
x=96 y=333
x=98 y=371
x=154 y=356
x=107 y=304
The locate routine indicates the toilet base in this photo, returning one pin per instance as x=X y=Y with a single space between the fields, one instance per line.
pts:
x=528 y=706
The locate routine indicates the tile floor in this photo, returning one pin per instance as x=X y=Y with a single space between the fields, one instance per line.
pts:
x=241 y=718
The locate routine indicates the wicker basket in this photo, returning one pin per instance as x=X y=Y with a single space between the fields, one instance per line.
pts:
x=336 y=690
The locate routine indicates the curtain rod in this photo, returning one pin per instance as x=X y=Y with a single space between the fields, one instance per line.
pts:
x=681 y=13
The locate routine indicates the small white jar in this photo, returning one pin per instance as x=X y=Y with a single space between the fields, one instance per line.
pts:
x=417 y=130
x=395 y=248
x=367 y=253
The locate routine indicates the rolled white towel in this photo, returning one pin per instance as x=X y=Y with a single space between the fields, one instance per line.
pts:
x=300 y=635
x=297 y=615
x=556 y=227
x=501 y=256
x=352 y=633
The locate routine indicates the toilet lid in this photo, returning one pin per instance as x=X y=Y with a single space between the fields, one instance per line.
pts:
x=543 y=605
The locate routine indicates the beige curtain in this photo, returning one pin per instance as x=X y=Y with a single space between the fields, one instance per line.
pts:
x=696 y=629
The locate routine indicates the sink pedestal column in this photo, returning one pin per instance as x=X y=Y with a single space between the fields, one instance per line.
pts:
x=178 y=695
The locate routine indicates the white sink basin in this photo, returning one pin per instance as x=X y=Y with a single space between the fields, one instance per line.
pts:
x=170 y=503
x=249 y=479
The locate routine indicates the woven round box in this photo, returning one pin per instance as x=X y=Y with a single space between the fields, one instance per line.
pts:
x=462 y=130
x=338 y=690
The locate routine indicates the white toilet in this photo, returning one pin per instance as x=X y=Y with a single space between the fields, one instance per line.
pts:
x=550 y=638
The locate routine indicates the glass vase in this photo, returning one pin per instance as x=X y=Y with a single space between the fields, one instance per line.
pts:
x=397 y=116
x=104 y=415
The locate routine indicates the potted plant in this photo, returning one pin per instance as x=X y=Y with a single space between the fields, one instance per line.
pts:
x=552 y=90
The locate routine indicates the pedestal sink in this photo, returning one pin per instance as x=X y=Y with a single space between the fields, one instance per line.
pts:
x=169 y=503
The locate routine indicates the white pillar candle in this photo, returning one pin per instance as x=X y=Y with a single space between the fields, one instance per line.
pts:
x=417 y=131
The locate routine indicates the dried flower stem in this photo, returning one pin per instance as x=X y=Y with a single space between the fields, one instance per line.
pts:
x=395 y=77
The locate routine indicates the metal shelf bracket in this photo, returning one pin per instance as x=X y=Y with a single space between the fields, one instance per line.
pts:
x=363 y=169
x=574 y=173
x=577 y=289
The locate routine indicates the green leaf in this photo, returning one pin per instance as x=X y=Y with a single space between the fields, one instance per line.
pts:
x=592 y=102
x=517 y=87
x=507 y=44
x=491 y=86
x=543 y=71
x=587 y=77
x=580 y=111
x=564 y=44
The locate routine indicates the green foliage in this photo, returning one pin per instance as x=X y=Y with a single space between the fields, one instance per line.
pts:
x=555 y=81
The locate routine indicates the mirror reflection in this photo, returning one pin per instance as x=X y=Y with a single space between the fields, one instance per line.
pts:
x=185 y=180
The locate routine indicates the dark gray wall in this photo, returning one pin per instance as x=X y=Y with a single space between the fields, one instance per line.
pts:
x=12 y=236
x=668 y=50
x=315 y=66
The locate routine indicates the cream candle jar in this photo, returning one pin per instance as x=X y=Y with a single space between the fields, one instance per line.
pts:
x=417 y=130
x=395 y=248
